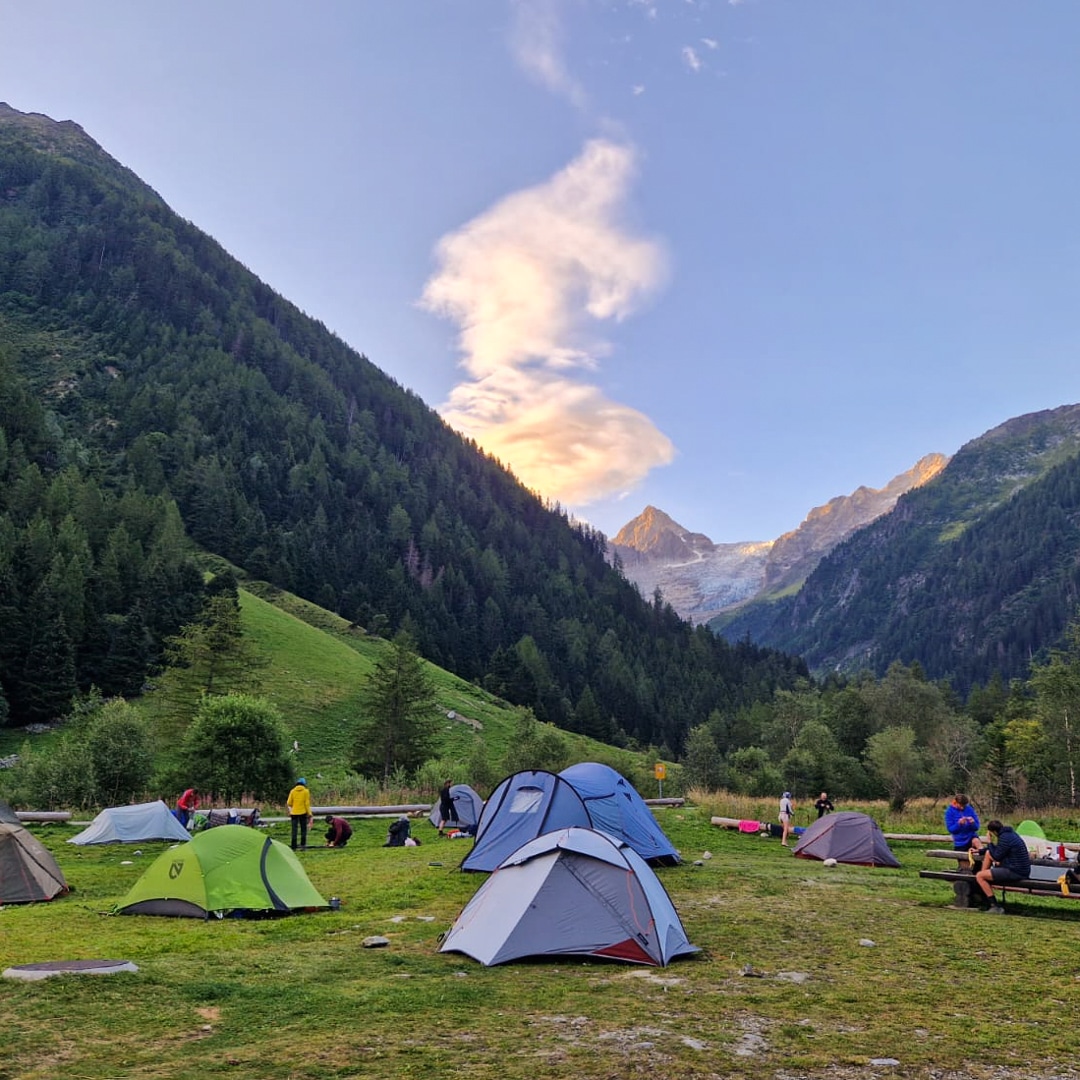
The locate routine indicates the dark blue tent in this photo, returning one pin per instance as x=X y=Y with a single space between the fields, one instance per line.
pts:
x=523 y=807
x=615 y=806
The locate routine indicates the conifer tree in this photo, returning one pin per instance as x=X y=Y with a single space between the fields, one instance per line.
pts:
x=399 y=722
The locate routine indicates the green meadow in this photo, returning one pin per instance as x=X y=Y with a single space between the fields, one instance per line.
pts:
x=805 y=971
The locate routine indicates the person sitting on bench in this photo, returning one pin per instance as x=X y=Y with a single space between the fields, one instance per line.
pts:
x=339 y=832
x=1005 y=860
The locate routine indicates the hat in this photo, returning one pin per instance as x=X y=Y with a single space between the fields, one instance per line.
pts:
x=302 y=781
x=787 y=794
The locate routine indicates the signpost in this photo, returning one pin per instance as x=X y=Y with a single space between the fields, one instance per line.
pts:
x=660 y=771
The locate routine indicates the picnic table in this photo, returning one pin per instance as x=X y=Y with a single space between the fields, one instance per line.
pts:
x=1043 y=879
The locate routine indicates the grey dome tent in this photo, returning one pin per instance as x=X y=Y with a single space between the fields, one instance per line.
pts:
x=574 y=892
x=615 y=806
x=28 y=871
x=847 y=837
x=468 y=805
x=132 y=825
x=524 y=806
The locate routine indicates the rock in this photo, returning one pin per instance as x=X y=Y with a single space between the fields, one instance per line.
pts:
x=376 y=941
x=868 y=943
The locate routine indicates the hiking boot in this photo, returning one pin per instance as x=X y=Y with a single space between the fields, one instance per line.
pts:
x=995 y=909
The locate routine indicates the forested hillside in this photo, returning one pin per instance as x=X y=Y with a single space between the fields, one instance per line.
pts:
x=153 y=381
x=971 y=576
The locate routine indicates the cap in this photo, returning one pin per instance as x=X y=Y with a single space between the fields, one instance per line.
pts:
x=302 y=781
x=787 y=794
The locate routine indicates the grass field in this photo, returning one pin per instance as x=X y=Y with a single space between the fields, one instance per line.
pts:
x=805 y=971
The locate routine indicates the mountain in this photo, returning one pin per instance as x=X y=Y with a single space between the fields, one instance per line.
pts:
x=158 y=400
x=970 y=575
x=701 y=579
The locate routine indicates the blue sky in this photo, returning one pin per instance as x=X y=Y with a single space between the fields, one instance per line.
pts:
x=728 y=259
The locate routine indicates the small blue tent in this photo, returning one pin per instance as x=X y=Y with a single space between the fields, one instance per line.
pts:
x=615 y=806
x=467 y=804
x=523 y=807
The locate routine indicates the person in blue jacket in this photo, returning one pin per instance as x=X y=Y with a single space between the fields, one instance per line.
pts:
x=1006 y=859
x=962 y=822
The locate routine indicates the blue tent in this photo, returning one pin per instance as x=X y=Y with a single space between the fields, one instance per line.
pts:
x=615 y=806
x=468 y=805
x=523 y=807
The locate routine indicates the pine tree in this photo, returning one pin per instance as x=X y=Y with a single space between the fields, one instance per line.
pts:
x=398 y=728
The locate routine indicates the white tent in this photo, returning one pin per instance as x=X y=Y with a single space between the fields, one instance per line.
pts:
x=574 y=892
x=132 y=825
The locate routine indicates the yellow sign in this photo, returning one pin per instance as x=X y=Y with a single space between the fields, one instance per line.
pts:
x=660 y=770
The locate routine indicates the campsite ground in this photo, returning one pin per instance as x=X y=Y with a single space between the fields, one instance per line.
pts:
x=805 y=972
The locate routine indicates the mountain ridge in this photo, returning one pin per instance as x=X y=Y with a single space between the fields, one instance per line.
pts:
x=702 y=580
x=971 y=575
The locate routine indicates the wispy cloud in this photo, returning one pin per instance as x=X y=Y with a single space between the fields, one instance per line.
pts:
x=536 y=40
x=527 y=282
x=691 y=58
x=710 y=43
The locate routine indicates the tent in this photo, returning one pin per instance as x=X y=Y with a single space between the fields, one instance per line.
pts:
x=229 y=869
x=615 y=806
x=132 y=825
x=467 y=803
x=28 y=871
x=847 y=837
x=524 y=806
x=572 y=892
x=8 y=815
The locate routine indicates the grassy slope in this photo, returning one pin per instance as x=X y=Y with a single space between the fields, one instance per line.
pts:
x=939 y=990
x=316 y=668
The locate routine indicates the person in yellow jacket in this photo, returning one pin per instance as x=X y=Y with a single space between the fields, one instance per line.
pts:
x=299 y=804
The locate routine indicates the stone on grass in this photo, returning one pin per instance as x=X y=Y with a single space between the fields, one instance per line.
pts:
x=68 y=967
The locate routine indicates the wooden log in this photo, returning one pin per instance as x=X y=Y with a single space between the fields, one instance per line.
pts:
x=43 y=815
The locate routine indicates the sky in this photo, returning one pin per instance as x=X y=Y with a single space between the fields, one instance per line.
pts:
x=728 y=258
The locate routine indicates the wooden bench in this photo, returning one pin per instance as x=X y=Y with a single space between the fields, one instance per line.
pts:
x=968 y=894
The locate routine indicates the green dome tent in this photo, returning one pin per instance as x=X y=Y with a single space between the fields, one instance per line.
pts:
x=227 y=870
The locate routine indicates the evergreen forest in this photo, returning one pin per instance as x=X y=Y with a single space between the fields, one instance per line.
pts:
x=159 y=403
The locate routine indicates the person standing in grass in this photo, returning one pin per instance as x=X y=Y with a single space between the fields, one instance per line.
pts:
x=1006 y=859
x=299 y=804
x=787 y=816
x=823 y=805
x=447 y=810
x=186 y=805
x=962 y=822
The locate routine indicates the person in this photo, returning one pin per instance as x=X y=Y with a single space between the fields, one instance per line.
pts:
x=961 y=822
x=339 y=833
x=822 y=805
x=1005 y=859
x=186 y=805
x=399 y=833
x=447 y=810
x=787 y=815
x=299 y=804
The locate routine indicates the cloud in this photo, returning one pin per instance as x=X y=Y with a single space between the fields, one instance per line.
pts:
x=536 y=40
x=710 y=43
x=691 y=58
x=527 y=281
